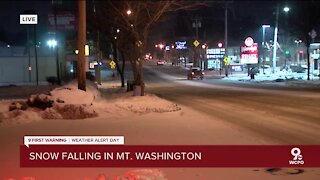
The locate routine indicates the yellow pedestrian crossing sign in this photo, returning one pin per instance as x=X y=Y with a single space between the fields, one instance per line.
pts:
x=226 y=61
x=112 y=64
x=196 y=43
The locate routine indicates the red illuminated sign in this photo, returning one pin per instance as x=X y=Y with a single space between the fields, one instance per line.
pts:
x=65 y=21
x=249 y=52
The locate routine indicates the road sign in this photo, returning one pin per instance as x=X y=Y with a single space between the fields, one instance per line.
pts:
x=112 y=64
x=196 y=43
x=226 y=61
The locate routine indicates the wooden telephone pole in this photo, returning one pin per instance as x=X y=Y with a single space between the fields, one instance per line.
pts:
x=81 y=71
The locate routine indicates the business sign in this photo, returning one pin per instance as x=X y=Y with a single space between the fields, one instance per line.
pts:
x=28 y=19
x=65 y=21
x=249 y=52
x=216 y=53
x=236 y=68
x=214 y=64
x=181 y=45
x=248 y=41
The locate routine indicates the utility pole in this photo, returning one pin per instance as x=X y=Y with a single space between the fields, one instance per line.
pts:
x=81 y=71
x=35 y=53
x=197 y=24
x=55 y=37
x=98 y=58
x=226 y=36
x=29 y=57
x=97 y=50
x=275 y=42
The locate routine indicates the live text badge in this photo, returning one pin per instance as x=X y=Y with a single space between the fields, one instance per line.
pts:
x=28 y=19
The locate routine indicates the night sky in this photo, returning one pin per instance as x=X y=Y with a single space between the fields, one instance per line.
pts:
x=245 y=19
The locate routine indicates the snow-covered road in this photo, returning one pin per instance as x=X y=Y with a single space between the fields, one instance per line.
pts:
x=286 y=117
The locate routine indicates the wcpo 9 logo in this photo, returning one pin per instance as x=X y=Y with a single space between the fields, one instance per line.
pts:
x=297 y=156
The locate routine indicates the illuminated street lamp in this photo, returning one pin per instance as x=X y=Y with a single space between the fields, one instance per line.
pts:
x=220 y=45
x=204 y=46
x=52 y=43
x=263 y=44
x=129 y=12
x=118 y=30
x=275 y=41
x=263 y=32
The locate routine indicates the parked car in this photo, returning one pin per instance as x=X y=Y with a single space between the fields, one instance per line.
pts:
x=161 y=62
x=195 y=72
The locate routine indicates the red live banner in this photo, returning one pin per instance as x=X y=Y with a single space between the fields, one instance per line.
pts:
x=170 y=156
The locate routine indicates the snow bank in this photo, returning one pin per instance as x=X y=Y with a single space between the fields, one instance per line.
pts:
x=145 y=104
x=68 y=102
x=72 y=103
x=70 y=94
x=268 y=76
x=65 y=102
x=69 y=111
x=18 y=117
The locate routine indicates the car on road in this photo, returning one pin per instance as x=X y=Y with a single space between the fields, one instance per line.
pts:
x=160 y=62
x=195 y=73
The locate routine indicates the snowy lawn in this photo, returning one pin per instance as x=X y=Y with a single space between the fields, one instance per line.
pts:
x=278 y=76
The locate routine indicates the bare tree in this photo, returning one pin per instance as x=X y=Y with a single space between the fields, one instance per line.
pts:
x=136 y=18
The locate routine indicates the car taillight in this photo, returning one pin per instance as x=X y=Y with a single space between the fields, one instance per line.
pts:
x=192 y=73
x=202 y=73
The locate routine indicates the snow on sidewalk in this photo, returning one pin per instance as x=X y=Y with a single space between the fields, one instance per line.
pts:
x=68 y=102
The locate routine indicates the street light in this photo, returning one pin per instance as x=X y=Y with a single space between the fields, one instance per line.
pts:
x=263 y=32
x=52 y=43
x=286 y=9
x=129 y=12
x=220 y=45
x=275 y=42
x=263 y=44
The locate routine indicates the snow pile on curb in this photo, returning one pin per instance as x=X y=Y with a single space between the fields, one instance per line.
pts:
x=70 y=94
x=18 y=117
x=69 y=111
x=72 y=103
x=145 y=104
x=67 y=102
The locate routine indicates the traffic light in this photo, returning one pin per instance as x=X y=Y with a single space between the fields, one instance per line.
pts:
x=287 y=52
